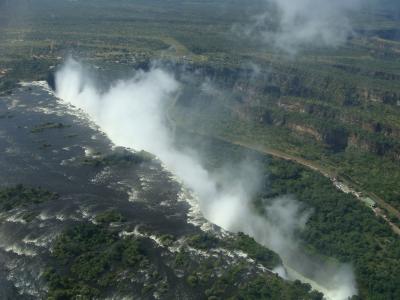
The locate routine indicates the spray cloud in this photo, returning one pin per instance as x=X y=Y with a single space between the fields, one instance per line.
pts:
x=289 y=25
x=132 y=114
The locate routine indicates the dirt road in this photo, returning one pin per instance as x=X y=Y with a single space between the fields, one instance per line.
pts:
x=346 y=184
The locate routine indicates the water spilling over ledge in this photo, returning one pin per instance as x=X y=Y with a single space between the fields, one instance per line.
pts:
x=132 y=114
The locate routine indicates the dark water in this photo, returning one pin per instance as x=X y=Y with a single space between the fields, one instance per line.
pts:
x=46 y=143
x=53 y=158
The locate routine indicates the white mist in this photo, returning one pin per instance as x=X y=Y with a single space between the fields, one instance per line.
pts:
x=132 y=113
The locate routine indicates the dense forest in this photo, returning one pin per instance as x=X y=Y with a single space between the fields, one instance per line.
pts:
x=340 y=226
x=333 y=109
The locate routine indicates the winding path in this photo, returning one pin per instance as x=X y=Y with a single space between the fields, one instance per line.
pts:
x=348 y=184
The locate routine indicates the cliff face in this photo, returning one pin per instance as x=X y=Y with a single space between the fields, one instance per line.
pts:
x=335 y=113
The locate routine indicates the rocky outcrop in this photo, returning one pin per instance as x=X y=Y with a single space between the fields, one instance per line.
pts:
x=306 y=130
x=377 y=145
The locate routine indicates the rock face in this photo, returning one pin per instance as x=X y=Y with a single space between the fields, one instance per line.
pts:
x=335 y=113
x=51 y=79
x=306 y=130
x=285 y=97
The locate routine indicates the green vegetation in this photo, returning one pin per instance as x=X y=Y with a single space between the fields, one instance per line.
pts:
x=92 y=261
x=29 y=216
x=88 y=260
x=260 y=287
x=257 y=290
x=120 y=158
x=340 y=226
x=203 y=241
x=238 y=281
x=6 y=86
x=167 y=239
x=255 y=251
x=239 y=242
x=21 y=196
x=336 y=107
x=109 y=216
x=48 y=125
x=348 y=140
